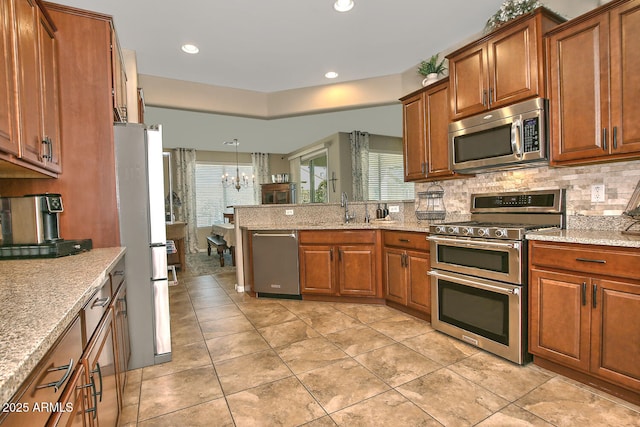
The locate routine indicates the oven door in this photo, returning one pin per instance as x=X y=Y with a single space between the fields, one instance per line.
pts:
x=486 y=258
x=486 y=314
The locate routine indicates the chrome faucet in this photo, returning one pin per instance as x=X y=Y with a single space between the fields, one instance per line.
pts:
x=344 y=202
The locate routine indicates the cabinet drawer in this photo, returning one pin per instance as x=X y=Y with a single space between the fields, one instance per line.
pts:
x=609 y=261
x=406 y=239
x=337 y=237
x=47 y=381
x=117 y=276
x=95 y=309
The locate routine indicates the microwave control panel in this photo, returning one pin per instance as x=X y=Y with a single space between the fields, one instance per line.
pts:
x=531 y=135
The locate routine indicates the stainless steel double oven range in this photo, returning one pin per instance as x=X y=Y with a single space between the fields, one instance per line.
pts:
x=479 y=269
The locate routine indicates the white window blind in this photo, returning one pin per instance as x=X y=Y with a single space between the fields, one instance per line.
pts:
x=386 y=177
x=212 y=198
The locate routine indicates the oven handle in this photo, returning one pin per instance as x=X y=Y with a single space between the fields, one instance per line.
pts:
x=472 y=283
x=476 y=243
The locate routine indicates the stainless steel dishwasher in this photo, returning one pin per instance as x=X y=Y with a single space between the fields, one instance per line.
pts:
x=275 y=263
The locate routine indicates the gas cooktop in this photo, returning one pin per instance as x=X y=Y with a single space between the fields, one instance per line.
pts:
x=508 y=215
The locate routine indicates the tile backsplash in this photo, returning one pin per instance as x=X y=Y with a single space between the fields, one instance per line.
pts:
x=619 y=179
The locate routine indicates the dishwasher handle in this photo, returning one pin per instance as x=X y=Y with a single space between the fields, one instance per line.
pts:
x=292 y=235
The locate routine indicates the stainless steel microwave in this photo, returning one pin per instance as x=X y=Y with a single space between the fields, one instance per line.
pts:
x=505 y=138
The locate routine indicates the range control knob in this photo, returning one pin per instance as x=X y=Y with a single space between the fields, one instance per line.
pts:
x=440 y=229
x=501 y=232
x=483 y=232
x=452 y=230
x=467 y=231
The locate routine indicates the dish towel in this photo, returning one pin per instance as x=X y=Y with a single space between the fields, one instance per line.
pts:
x=171 y=247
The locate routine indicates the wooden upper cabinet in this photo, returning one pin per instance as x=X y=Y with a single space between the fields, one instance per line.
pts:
x=414 y=137
x=119 y=83
x=426 y=133
x=593 y=65
x=8 y=123
x=502 y=68
x=31 y=130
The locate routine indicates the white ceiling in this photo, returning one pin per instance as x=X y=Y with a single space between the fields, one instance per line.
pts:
x=275 y=45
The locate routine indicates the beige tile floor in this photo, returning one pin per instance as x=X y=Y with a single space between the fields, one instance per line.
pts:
x=239 y=361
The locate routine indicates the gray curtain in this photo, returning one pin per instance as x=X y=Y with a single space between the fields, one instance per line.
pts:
x=260 y=162
x=185 y=189
x=360 y=164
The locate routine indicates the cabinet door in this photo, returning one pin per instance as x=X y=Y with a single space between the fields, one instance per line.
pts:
x=122 y=335
x=29 y=88
x=8 y=117
x=74 y=402
x=317 y=269
x=625 y=85
x=102 y=373
x=414 y=138
x=437 y=131
x=357 y=267
x=560 y=316
x=579 y=91
x=395 y=276
x=419 y=287
x=119 y=80
x=469 y=80
x=616 y=332
x=513 y=65
x=50 y=102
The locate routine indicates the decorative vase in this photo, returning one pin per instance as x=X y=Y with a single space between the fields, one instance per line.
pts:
x=431 y=78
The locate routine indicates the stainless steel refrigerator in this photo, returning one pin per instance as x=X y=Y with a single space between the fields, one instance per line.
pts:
x=140 y=192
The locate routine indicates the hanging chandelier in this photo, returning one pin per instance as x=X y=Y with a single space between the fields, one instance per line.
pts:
x=237 y=181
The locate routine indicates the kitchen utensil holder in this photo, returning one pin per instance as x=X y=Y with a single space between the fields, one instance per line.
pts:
x=431 y=204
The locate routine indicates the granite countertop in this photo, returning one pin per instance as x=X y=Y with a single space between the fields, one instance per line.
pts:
x=40 y=298
x=587 y=237
x=373 y=225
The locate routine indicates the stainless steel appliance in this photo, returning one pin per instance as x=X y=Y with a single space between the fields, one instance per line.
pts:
x=479 y=269
x=140 y=192
x=275 y=263
x=30 y=228
x=31 y=219
x=508 y=137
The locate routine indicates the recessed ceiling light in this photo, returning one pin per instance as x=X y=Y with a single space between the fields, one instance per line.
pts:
x=343 y=5
x=190 y=48
x=331 y=75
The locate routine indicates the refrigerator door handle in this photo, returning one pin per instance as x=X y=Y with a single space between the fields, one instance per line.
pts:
x=158 y=262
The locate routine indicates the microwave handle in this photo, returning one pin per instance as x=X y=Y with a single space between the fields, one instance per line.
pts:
x=516 y=137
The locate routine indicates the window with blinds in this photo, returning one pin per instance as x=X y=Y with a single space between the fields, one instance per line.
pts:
x=386 y=177
x=212 y=197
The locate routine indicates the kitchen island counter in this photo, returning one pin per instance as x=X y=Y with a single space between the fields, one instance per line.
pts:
x=587 y=237
x=373 y=225
x=40 y=298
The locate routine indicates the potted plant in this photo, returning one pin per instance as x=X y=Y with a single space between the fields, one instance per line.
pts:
x=431 y=69
x=509 y=10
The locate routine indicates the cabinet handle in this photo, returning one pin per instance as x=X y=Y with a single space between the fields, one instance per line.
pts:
x=99 y=372
x=405 y=240
x=595 y=295
x=604 y=139
x=57 y=384
x=331 y=254
x=340 y=255
x=118 y=273
x=615 y=137
x=597 y=261
x=101 y=302
x=490 y=96
x=584 y=293
x=484 y=98
x=46 y=149
x=95 y=399
x=406 y=260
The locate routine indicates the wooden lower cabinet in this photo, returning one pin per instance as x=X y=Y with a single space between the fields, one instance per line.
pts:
x=585 y=318
x=406 y=263
x=339 y=263
x=100 y=363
